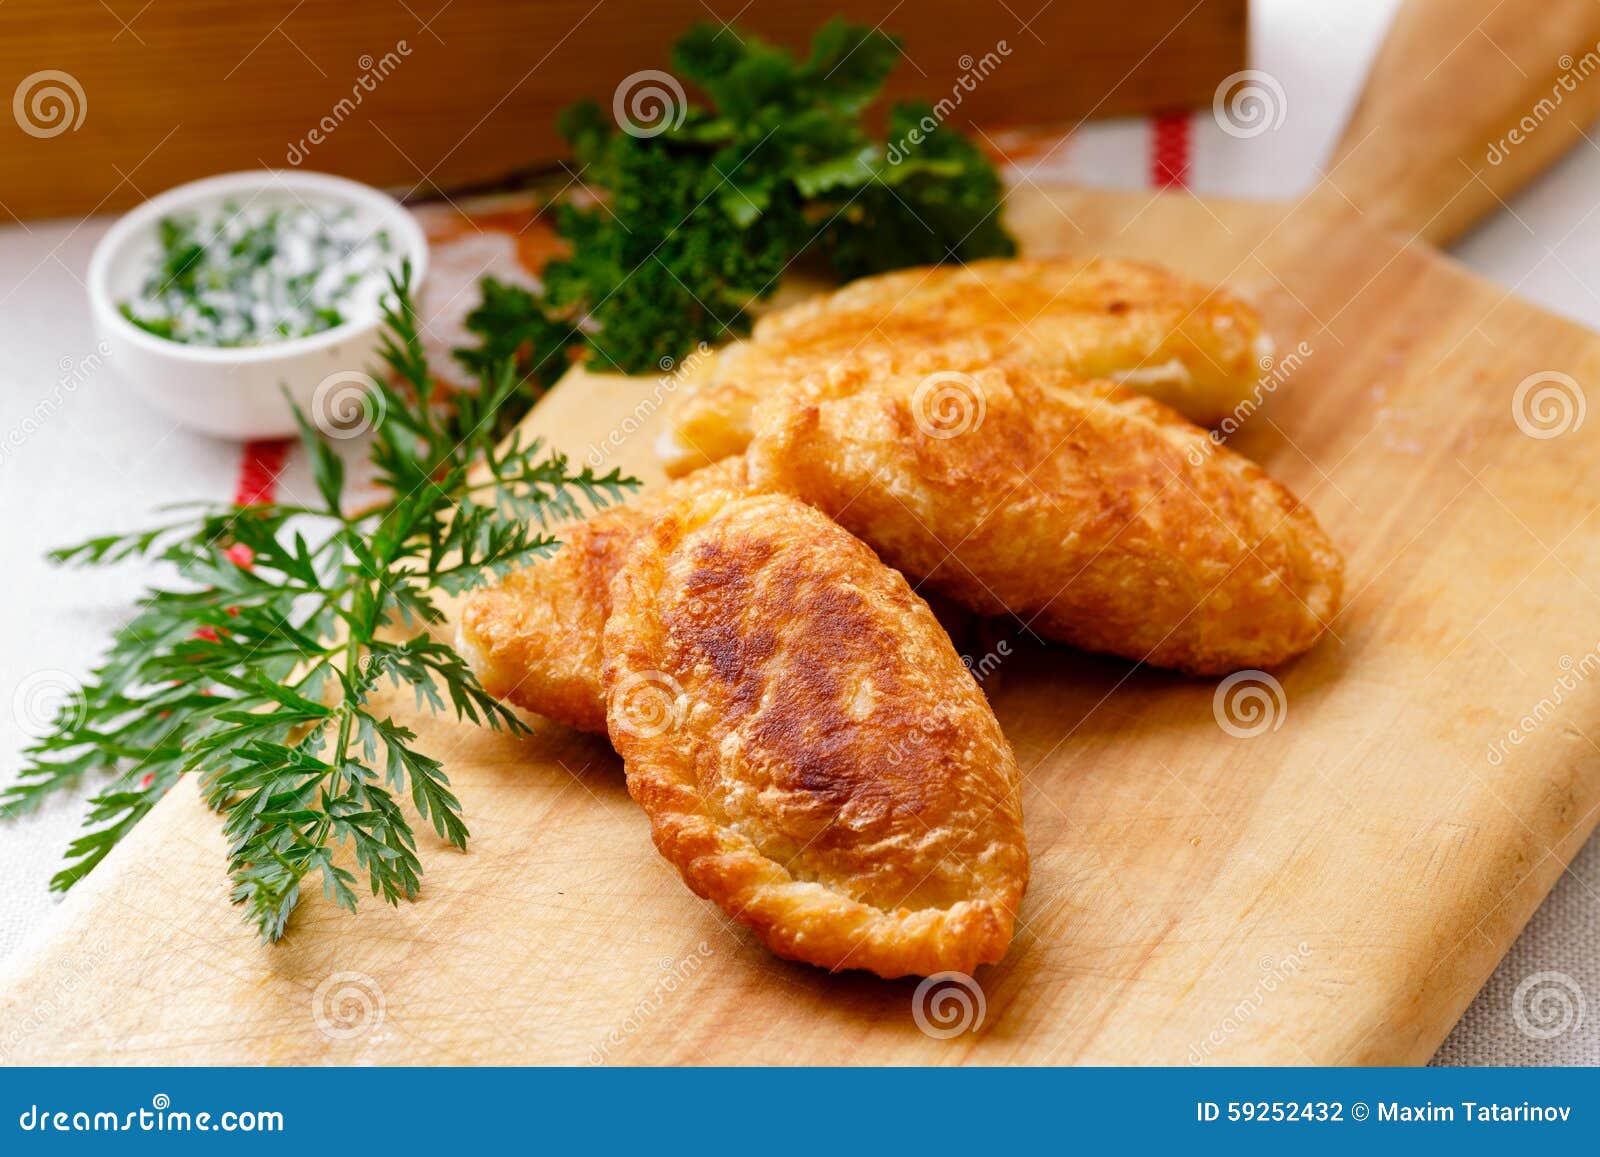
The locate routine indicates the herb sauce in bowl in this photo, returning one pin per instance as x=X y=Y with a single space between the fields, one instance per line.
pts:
x=250 y=275
x=230 y=301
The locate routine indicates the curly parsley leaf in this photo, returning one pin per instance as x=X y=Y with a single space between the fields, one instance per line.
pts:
x=696 y=220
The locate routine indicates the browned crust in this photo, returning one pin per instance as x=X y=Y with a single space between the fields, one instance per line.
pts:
x=1100 y=517
x=812 y=754
x=534 y=637
x=1194 y=347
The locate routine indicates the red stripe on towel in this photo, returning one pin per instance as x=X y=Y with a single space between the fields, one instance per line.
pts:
x=259 y=468
x=258 y=472
x=1170 y=141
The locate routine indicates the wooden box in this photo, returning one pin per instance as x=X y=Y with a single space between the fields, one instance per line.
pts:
x=113 y=102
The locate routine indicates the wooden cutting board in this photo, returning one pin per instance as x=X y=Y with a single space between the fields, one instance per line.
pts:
x=1333 y=889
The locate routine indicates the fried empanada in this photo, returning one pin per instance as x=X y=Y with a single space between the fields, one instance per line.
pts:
x=812 y=754
x=1098 y=516
x=533 y=639
x=1197 y=349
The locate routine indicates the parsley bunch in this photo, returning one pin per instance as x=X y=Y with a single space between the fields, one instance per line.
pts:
x=257 y=670
x=697 y=222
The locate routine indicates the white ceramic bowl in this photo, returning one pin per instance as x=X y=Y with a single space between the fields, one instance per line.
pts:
x=238 y=392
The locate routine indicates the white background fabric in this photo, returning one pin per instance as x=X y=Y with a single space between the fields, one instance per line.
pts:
x=101 y=459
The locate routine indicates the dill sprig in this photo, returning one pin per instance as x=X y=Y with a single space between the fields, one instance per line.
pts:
x=257 y=670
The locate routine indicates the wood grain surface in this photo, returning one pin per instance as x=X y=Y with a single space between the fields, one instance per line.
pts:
x=440 y=95
x=1332 y=889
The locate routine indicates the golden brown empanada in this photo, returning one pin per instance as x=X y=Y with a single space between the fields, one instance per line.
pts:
x=811 y=752
x=534 y=638
x=1099 y=517
x=1196 y=348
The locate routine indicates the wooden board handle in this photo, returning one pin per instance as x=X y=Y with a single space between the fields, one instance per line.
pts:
x=1467 y=102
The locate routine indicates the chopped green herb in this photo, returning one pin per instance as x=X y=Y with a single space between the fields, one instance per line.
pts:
x=256 y=274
